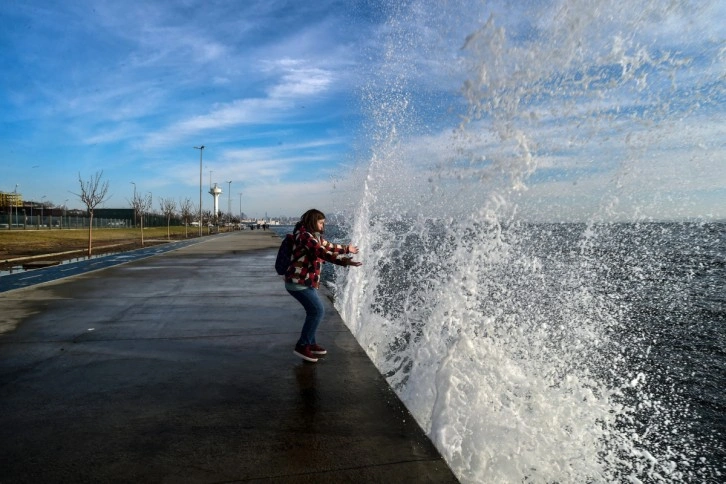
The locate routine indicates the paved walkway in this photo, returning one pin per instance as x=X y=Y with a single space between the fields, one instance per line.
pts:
x=179 y=368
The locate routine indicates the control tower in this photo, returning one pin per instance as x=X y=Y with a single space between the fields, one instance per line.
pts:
x=215 y=191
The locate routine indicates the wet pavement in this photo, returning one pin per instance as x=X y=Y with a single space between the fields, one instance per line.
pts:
x=179 y=368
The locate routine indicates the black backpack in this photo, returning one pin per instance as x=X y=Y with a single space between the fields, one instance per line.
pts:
x=284 y=255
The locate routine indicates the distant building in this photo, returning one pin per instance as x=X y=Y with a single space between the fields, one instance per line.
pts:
x=10 y=200
x=119 y=213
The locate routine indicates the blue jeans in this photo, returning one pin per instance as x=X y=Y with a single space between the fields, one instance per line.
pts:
x=314 y=312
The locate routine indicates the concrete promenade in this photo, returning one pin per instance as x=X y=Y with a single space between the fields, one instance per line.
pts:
x=179 y=368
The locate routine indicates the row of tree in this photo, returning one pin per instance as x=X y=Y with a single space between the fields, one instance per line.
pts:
x=94 y=192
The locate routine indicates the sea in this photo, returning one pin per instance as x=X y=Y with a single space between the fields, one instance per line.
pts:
x=566 y=352
x=543 y=281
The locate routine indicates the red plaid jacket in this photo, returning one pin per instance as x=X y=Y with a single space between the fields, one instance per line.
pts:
x=308 y=252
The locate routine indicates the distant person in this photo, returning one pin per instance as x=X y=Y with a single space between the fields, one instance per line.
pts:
x=302 y=279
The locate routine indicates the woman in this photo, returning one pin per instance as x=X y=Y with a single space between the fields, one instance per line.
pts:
x=302 y=278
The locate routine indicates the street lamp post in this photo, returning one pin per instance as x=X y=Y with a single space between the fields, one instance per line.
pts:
x=229 y=201
x=201 y=151
x=240 y=209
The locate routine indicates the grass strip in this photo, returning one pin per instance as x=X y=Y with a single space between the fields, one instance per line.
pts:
x=17 y=243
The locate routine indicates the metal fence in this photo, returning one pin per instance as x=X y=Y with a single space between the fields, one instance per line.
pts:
x=28 y=222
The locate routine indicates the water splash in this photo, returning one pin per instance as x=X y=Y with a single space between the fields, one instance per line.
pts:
x=510 y=341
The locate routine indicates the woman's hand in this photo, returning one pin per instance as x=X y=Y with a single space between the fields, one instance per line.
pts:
x=352 y=249
x=348 y=261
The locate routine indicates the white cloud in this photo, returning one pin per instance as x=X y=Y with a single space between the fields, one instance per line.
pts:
x=296 y=82
x=299 y=83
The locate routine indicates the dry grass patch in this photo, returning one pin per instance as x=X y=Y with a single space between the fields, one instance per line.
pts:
x=20 y=243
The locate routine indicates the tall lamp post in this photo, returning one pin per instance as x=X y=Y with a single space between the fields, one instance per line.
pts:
x=201 y=151
x=229 y=201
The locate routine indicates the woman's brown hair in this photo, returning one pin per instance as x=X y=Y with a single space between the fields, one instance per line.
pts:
x=309 y=220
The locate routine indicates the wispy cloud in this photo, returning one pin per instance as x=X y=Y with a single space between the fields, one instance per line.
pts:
x=296 y=83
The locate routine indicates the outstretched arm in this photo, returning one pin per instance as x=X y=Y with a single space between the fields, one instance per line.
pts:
x=335 y=251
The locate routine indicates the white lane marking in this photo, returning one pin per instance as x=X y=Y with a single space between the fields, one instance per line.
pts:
x=28 y=277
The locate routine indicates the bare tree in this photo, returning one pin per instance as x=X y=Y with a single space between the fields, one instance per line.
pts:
x=168 y=207
x=93 y=193
x=187 y=213
x=142 y=205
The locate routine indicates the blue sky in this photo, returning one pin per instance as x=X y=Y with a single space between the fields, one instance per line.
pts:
x=614 y=105
x=131 y=87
